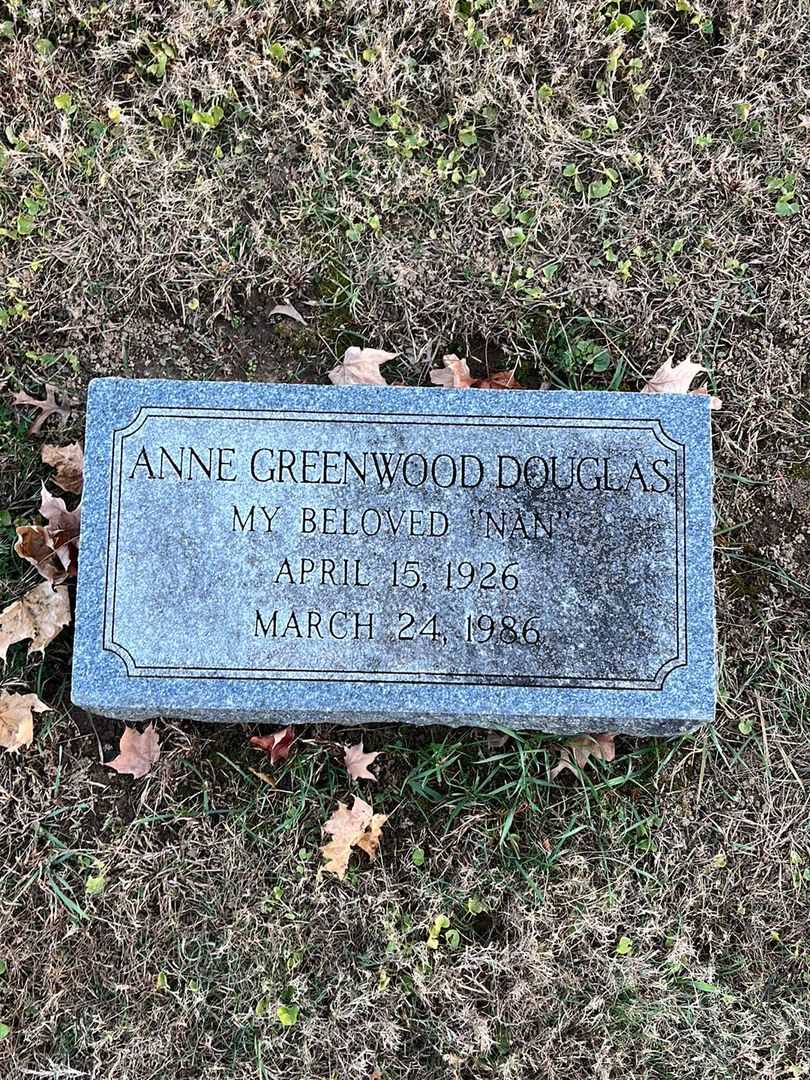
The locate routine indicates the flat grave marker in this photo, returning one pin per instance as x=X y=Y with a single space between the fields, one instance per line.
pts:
x=533 y=559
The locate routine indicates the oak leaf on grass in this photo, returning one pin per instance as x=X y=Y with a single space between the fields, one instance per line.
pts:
x=277 y=746
x=69 y=464
x=359 y=828
x=39 y=616
x=361 y=367
x=673 y=378
x=17 y=719
x=137 y=752
x=578 y=751
x=49 y=406
x=357 y=762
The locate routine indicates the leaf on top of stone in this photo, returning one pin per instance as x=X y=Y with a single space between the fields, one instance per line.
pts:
x=290 y=312
x=17 y=719
x=38 y=616
x=137 y=752
x=50 y=406
x=361 y=367
x=357 y=762
x=277 y=746
x=359 y=828
x=53 y=548
x=69 y=464
x=578 y=751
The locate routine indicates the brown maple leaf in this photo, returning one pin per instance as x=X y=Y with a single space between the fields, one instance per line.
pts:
x=69 y=464
x=676 y=379
x=360 y=366
x=137 y=752
x=49 y=407
x=39 y=615
x=357 y=762
x=277 y=746
x=17 y=719
x=53 y=548
x=578 y=751
x=359 y=827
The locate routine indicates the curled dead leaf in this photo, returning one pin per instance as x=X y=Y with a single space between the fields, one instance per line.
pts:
x=578 y=751
x=714 y=401
x=38 y=616
x=17 y=719
x=137 y=752
x=359 y=828
x=455 y=375
x=277 y=746
x=50 y=406
x=53 y=548
x=290 y=312
x=69 y=464
x=499 y=380
x=357 y=762
x=360 y=367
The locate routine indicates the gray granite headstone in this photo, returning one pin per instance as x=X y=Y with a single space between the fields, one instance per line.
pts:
x=355 y=554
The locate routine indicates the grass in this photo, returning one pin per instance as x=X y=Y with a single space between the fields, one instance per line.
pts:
x=540 y=186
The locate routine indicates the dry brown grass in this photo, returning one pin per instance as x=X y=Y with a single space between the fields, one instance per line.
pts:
x=151 y=251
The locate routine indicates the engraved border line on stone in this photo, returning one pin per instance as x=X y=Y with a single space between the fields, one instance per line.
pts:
x=651 y=424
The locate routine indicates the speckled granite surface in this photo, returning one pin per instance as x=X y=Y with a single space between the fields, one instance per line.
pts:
x=359 y=554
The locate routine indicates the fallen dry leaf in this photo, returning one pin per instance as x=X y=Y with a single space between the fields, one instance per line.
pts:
x=49 y=407
x=137 y=751
x=361 y=366
x=673 y=378
x=53 y=548
x=265 y=777
x=359 y=827
x=69 y=464
x=676 y=379
x=290 y=312
x=455 y=375
x=277 y=746
x=578 y=751
x=357 y=762
x=500 y=380
x=714 y=401
x=17 y=719
x=39 y=615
